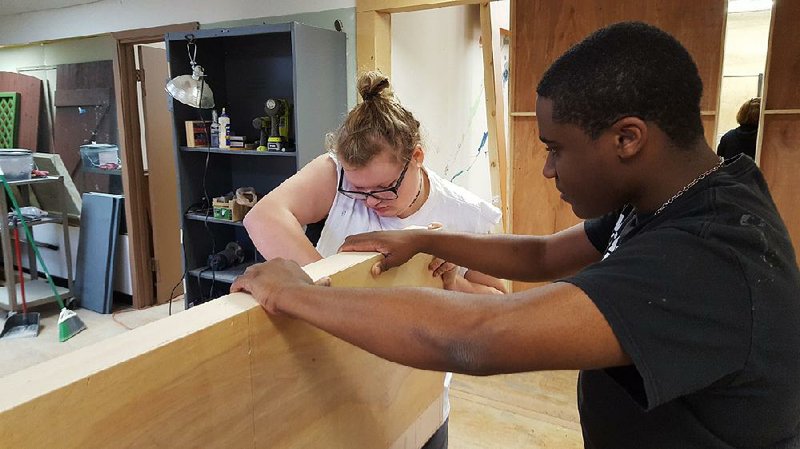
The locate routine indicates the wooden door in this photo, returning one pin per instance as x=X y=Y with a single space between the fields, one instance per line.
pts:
x=162 y=178
x=542 y=30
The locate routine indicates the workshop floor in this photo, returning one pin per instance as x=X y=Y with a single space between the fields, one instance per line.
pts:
x=531 y=411
x=19 y=353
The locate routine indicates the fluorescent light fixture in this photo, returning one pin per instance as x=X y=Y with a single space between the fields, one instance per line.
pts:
x=191 y=90
x=748 y=5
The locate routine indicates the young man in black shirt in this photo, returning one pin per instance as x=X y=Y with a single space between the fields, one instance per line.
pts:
x=677 y=298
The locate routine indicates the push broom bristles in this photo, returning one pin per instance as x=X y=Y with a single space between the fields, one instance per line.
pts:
x=69 y=324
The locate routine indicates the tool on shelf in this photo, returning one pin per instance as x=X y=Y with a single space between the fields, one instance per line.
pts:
x=69 y=324
x=26 y=324
x=262 y=125
x=277 y=110
x=233 y=254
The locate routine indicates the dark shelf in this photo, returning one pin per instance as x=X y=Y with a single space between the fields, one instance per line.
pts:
x=227 y=276
x=211 y=219
x=240 y=152
x=304 y=65
x=33 y=181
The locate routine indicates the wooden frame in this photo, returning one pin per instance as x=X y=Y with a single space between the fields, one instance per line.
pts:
x=224 y=374
x=374 y=52
x=133 y=179
x=779 y=124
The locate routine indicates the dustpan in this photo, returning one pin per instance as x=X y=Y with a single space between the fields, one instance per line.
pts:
x=25 y=324
x=21 y=325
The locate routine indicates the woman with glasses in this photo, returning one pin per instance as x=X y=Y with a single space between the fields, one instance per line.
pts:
x=373 y=178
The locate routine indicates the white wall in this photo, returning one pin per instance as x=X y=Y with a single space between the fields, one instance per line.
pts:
x=745 y=57
x=106 y=16
x=437 y=72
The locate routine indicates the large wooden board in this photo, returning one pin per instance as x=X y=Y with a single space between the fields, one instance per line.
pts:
x=779 y=147
x=224 y=374
x=780 y=161
x=162 y=183
x=30 y=90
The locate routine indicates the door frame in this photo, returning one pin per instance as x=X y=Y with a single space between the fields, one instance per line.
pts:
x=134 y=184
x=374 y=52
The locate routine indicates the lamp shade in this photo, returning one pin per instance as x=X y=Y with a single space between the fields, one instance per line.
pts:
x=191 y=91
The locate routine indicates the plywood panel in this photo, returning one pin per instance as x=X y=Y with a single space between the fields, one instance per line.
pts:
x=780 y=162
x=544 y=29
x=162 y=183
x=783 y=87
x=224 y=374
x=30 y=90
x=779 y=133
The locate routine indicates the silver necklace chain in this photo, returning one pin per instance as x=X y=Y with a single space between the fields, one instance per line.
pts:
x=690 y=185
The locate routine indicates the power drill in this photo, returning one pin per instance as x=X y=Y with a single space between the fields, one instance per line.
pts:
x=232 y=254
x=277 y=110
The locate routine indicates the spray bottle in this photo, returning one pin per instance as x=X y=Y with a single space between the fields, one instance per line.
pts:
x=224 y=130
x=214 y=129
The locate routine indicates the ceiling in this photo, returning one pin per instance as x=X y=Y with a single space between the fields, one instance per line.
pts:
x=11 y=7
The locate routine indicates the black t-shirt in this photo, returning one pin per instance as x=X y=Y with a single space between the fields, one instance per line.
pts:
x=741 y=140
x=704 y=299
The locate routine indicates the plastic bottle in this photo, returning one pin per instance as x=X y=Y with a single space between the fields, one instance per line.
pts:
x=214 y=129
x=224 y=130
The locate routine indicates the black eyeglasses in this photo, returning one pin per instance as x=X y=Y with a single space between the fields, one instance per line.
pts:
x=383 y=194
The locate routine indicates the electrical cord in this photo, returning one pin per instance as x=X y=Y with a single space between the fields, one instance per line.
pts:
x=208 y=200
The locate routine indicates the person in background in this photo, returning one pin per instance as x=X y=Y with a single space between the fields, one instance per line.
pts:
x=373 y=178
x=742 y=139
x=677 y=296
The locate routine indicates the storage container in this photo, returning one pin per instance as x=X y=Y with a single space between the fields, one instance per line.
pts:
x=16 y=164
x=101 y=157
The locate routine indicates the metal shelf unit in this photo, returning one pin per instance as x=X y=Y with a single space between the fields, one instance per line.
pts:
x=37 y=290
x=245 y=66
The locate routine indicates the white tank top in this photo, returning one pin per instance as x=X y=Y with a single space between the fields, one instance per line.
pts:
x=456 y=208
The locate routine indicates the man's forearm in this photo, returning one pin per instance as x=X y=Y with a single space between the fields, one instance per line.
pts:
x=395 y=330
x=500 y=255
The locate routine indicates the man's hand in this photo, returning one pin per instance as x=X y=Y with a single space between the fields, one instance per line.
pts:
x=266 y=282
x=397 y=247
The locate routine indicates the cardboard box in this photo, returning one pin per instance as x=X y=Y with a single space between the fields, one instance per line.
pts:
x=197 y=135
x=230 y=210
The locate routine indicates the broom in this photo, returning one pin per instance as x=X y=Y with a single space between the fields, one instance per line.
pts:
x=69 y=324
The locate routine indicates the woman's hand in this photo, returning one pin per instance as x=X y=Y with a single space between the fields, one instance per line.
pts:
x=267 y=281
x=446 y=270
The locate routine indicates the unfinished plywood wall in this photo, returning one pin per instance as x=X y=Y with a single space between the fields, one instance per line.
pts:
x=780 y=122
x=541 y=31
x=225 y=375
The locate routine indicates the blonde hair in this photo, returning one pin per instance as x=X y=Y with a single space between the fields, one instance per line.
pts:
x=379 y=118
x=749 y=112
